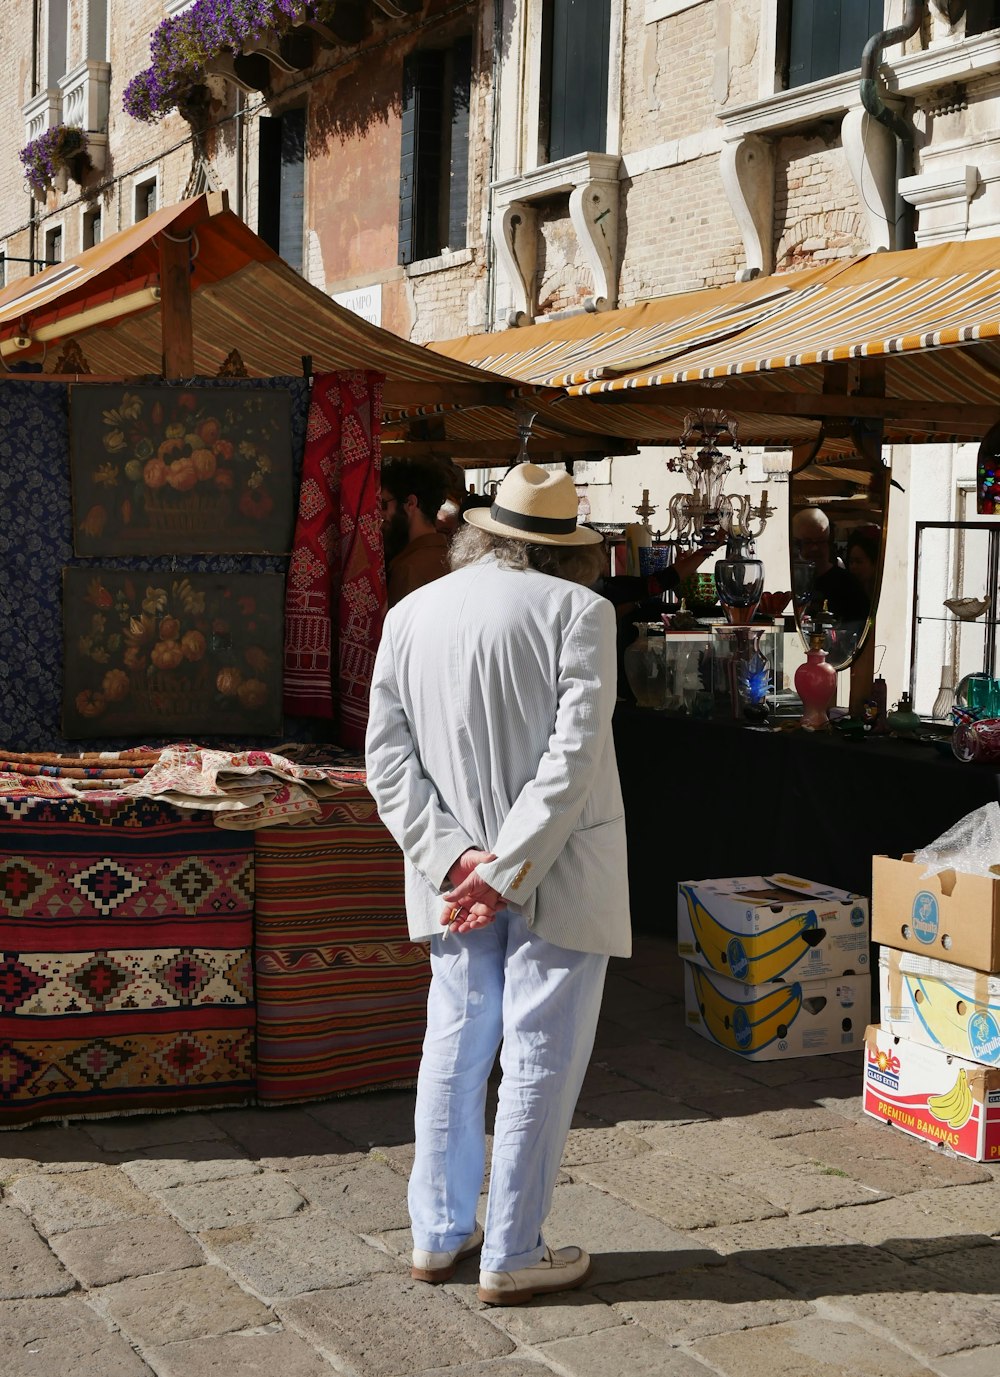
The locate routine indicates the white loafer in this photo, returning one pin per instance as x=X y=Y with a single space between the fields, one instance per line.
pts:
x=435 y=1267
x=559 y=1270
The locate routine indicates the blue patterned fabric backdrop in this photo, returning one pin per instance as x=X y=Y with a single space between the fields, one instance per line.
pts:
x=36 y=542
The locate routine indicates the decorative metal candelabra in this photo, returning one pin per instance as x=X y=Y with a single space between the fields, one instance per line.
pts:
x=696 y=518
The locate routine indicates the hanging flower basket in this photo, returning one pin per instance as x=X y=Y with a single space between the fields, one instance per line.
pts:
x=58 y=154
x=183 y=49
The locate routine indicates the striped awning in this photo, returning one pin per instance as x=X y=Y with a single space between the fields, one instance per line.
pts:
x=927 y=319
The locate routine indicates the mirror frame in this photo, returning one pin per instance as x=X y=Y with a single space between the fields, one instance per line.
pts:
x=867 y=441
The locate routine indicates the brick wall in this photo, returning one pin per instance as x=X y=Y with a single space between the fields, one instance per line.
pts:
x=816 y=212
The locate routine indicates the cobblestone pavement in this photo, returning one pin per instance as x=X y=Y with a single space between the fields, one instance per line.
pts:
x=745 y=1221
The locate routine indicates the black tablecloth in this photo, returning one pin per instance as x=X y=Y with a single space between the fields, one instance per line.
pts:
x=706 y=798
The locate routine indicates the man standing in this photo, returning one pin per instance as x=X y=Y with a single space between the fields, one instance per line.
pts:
x=491 y=760
x=416 y=552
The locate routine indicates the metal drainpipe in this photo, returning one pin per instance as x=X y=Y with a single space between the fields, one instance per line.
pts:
x=32 y=220
x=495 y=72
x=876 y=107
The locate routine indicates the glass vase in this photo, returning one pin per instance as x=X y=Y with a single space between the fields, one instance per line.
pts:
x=739 y=580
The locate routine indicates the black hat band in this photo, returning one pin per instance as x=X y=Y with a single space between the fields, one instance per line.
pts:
x=544 y=525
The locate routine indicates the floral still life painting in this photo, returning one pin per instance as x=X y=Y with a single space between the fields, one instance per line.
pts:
x=159 y=654
x=180 y=470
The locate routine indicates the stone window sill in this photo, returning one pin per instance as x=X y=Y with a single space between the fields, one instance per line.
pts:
x=450 y=258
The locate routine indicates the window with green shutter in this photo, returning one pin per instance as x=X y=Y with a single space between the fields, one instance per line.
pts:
x=434 y=151
x=825 y=37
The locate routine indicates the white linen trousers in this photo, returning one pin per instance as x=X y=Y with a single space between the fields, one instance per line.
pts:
x=499 y=984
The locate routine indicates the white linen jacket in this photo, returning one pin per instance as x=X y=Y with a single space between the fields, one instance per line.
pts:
x=490 y=727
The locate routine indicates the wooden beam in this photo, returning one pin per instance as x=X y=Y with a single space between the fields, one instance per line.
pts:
x=938 y=415
x=176 y=329
x=504 y=449
x=402 y=394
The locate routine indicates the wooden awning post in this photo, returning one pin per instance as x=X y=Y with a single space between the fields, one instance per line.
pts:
x=175 y=305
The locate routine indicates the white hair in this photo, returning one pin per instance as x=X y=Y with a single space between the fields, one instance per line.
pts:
x=578 y=563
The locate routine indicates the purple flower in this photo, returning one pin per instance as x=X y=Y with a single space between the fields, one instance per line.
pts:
x=54 y=148
x=181 y=48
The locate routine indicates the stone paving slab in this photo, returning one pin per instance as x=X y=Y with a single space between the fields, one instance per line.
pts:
x=49 y=1148
x=889 y=1161
x=725 y=1148
x=623 y=1241
x=700 y=1301
x=686 y=1200
x=179 y=1305
x=235 y=1200
x=367 y=1198
x=628 y=1350
x=279 y=1138
x=814 y=1347
x=596 y=1142
x=975 y=1270
x=71 y=1201
x=276 y=1354
x=381 y=1119
x=152 y=1130
x=392 y=1327
x=678 y=1075
x=971 y=1209
x=936 y=1321
x=766 y=1111
x=601 y=1080
x=801 y=1189
x=204 y=1161
x=49 y=1338
x=980 y=1362
x=913 y=1226
x=569 y=1314
x=501 y=1367
x=288 y=1257
x=787 y=1231
x=638 y=1110
x=107 y=1253
x=27 y=1267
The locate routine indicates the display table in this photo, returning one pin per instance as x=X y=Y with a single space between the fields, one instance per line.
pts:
x=132 y=942
x=707 y=798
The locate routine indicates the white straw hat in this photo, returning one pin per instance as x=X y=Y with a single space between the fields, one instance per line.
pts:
x=536 y=505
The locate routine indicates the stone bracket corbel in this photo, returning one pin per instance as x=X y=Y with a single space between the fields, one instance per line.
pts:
x=591 y=181
x=941 y=199
x=593 y=210
x=870 y=150
x=747 y=170
x=515 y=237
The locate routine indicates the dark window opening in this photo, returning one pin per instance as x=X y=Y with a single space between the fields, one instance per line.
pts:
x=821 y=38
x=145 y=200
x=53 y=245
x=91 y=228
x=981 y=16
x=3 y=270
x=573 y=97
x=434 y=151
x=282 y=184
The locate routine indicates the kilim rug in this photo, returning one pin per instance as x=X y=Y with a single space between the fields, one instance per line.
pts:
x=126 y=974
x=341 y=991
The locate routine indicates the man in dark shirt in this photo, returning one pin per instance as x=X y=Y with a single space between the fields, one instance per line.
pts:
x=416 y=552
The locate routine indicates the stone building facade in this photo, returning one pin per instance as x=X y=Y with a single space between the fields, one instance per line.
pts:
x=451 y=168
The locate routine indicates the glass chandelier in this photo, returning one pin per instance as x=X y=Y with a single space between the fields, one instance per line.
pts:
x=700 y=516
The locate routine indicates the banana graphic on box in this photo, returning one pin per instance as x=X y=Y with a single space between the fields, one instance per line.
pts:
x=947 y=1014
x=785 y=943
x=954 y=1108
x=746 y=1028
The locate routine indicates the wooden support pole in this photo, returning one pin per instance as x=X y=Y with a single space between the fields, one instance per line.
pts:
x=176 y=328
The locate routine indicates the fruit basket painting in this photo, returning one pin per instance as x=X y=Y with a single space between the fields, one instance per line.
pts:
x=180 y=470
x=159 y=654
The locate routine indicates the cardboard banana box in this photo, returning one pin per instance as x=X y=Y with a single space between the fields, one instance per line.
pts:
x=951 y=916
x=933 y=1095
x=757 y=928
x=782 y=1019
x=953 y=1008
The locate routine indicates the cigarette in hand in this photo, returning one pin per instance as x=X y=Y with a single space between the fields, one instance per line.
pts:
x=453 y=918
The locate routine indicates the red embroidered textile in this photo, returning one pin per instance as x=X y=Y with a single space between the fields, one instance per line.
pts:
x=335 y=594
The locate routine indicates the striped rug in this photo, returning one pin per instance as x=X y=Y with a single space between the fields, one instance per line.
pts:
x=341 y=991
